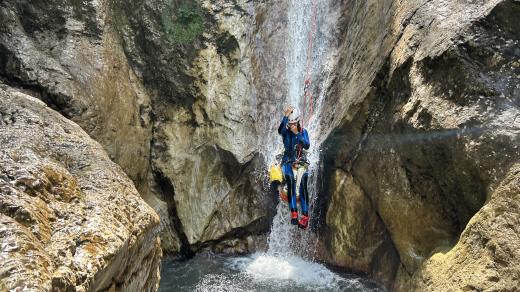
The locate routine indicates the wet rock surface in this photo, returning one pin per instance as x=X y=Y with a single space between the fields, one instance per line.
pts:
x=71 y=220
x=358 y=238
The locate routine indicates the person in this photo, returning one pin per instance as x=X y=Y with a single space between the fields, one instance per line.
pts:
x=294 y=139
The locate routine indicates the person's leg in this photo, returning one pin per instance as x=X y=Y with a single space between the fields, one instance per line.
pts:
x=275 y=193
x=291 y=191
x=304 y=201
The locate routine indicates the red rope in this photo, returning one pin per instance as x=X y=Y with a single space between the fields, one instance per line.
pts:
x=307 y=95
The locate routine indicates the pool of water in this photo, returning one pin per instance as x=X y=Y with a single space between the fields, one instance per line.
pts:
x=257 y=272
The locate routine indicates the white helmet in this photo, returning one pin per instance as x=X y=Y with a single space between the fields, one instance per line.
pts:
x=294 y=117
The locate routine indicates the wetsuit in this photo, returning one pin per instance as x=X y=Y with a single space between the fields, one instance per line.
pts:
x=290 y=143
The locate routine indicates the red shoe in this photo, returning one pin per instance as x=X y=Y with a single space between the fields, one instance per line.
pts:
x=304 y=222
x=294 y=217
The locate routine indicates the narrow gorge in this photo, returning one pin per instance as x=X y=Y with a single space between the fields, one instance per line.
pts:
x=140 y=132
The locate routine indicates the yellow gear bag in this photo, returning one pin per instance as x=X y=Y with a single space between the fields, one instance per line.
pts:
x=275 y=173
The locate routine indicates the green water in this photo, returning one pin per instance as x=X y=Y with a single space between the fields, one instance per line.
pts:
x=258 y=272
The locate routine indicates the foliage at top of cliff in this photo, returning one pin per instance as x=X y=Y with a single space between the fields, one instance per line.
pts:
x=182 y=23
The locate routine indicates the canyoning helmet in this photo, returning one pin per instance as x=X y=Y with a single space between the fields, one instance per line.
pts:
x=294 y=117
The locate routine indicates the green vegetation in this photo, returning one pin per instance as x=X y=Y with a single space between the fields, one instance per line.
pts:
x=183 y=24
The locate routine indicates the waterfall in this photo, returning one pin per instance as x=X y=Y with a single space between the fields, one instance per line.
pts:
x=286 y=239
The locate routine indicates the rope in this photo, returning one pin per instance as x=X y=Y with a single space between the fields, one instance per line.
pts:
x=307 y=95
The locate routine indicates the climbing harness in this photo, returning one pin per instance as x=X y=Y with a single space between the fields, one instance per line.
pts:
x=276 y=176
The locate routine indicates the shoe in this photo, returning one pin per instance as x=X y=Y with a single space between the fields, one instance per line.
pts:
x=294 y=217
x=304 y=222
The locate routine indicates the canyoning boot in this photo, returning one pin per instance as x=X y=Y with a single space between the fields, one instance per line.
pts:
x=294 y=217
x=304 y=222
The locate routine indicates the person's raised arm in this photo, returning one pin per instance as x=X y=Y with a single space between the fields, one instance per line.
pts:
x=282 y=129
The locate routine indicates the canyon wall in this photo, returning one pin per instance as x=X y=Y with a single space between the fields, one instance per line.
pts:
x=430 y=136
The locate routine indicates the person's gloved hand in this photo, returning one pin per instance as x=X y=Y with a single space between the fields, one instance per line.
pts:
x=288 y=111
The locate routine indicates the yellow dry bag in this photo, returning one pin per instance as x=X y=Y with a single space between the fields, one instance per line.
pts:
x=275 y=173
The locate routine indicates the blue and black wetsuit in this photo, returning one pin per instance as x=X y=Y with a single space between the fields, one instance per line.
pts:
x=290 y=143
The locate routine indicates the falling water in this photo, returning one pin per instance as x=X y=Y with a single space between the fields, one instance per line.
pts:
x=307 y=50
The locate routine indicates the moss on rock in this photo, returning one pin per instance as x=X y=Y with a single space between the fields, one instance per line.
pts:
x=184 y=23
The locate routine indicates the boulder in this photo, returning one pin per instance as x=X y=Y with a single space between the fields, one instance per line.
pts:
x=71 y=220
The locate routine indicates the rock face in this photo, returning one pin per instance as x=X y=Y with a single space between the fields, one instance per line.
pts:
x=200 y=59
x=359 y=238
x=69 y=55
x=167 y=89
x=487 y=254
x=71 y=220
x=429 y=133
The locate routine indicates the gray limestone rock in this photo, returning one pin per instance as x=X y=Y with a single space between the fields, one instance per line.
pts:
x=205 y=141
x=71 y=220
